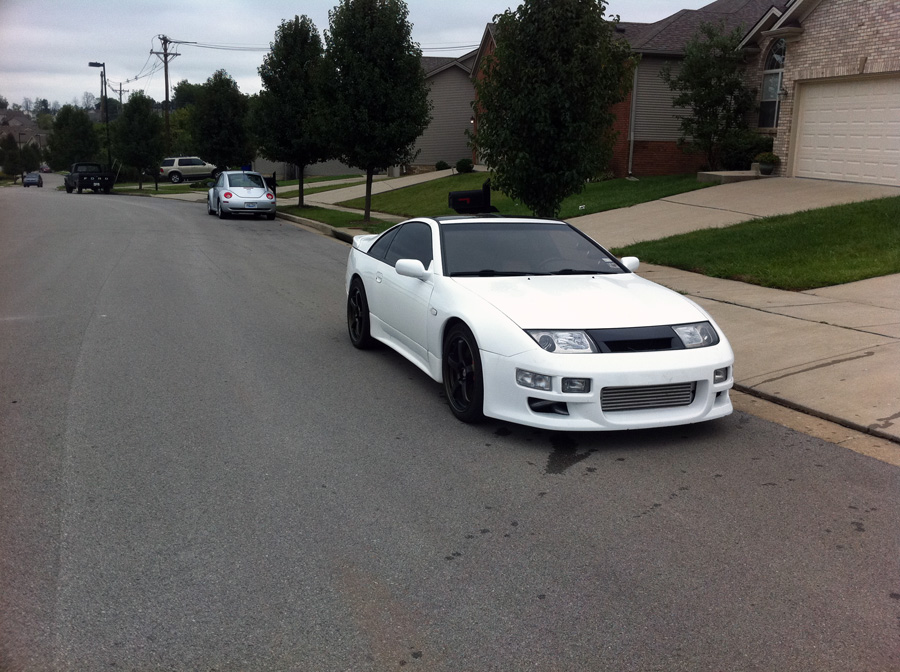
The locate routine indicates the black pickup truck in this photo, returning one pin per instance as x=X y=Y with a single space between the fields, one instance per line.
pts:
x=89 y=176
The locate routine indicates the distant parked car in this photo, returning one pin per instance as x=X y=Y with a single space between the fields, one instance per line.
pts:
x=238 y=192
x=179 y=168
x=33 y=180
x=45 y=168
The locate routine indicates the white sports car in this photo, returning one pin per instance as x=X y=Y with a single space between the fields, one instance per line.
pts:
x=531 y=321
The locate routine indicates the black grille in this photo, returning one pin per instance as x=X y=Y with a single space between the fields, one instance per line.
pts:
x=636 y=339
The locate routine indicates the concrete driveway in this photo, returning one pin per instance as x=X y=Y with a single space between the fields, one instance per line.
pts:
x=722 y=205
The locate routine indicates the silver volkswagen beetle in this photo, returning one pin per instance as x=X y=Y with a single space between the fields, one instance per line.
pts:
x=240 y=192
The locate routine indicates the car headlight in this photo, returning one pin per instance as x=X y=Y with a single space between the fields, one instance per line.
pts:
x=699 y=335
x=563 y=341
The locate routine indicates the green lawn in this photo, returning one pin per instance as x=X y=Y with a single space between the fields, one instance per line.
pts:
x=336 y=218
x=430 y=198
x=288 y=194
x=805 y=250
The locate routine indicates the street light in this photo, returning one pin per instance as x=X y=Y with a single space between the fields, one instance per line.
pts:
x=95 y=64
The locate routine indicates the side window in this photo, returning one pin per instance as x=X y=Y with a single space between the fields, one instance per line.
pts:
x=380 y=248
x=413 y=241
x=221 y=181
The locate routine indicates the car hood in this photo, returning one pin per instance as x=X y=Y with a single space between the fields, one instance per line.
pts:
x=584 y=301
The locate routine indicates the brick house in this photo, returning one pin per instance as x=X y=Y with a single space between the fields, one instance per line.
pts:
x=647 y=123
x=647 y=126
x=828 y=74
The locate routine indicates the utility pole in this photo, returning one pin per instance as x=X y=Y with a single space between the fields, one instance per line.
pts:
x=120 y=92
x=165 y=57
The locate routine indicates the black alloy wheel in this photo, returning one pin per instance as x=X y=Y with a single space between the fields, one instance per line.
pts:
x=463 y=381
x=358 y=316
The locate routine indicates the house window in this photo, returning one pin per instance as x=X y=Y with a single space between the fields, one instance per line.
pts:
x=771 y=85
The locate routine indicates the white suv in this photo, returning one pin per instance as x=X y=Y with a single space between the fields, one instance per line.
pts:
x=179 y=168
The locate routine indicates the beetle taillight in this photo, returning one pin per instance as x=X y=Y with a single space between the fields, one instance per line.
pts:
x=227 y=194
x=269 y=196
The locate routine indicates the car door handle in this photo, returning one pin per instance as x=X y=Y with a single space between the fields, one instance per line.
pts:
x=379 y=277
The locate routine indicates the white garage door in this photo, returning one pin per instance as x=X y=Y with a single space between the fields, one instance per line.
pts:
x=850 y=130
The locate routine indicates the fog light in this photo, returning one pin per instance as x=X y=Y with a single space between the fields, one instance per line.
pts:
x=537 y=381
x=576 y=385
x=720 y=375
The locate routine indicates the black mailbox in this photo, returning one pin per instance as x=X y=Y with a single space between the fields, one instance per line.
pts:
x=472 y=202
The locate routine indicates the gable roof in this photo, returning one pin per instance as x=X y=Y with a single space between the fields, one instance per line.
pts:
x=670 y=35
x=432 y=65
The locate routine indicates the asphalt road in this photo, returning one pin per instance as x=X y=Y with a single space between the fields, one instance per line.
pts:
x=198 y=472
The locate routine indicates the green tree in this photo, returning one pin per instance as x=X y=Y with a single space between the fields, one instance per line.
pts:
x=10 y=156
x=73 y=138
x=219 y=122
x=30 y=156
x=185 y=94
x=138 y=135
x=4 y=103
x=710 y=84
x=288 y=116
x=376 y=86
x=545 y=102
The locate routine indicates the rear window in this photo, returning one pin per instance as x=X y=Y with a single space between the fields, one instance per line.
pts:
x=246 y=180
x=168 y=162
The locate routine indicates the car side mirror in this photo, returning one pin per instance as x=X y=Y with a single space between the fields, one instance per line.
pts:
x=631 y=263
x=411 y=268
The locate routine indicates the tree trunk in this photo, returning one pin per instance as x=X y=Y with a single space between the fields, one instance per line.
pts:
x=300 y=199
x=369 y=173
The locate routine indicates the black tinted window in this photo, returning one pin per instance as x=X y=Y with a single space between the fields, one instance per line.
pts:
x=380 y=248
x=413 y=241
x=521 y=248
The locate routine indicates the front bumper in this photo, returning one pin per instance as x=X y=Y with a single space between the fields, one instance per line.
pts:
x=505 y=399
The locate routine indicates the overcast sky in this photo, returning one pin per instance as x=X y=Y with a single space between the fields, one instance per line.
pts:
x=45 y=45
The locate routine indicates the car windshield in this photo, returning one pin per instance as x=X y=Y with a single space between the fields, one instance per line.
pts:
x=490 y=249
x=246 y=180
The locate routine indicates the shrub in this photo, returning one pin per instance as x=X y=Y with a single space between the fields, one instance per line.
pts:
x=441 y=165
x=737 y=151
x=465 y=166
x=768 y=157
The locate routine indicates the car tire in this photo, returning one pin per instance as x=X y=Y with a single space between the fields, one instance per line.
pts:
x=358 y=316
x=209 y=208
x=462 y=373
x=175 y=177
x=79 y=190
x=68 y=189
x=270 y=216
x=220 y=212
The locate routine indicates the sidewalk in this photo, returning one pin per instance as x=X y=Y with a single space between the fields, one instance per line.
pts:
x=832 y=352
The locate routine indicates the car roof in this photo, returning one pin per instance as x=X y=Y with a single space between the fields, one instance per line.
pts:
x=495 y=219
